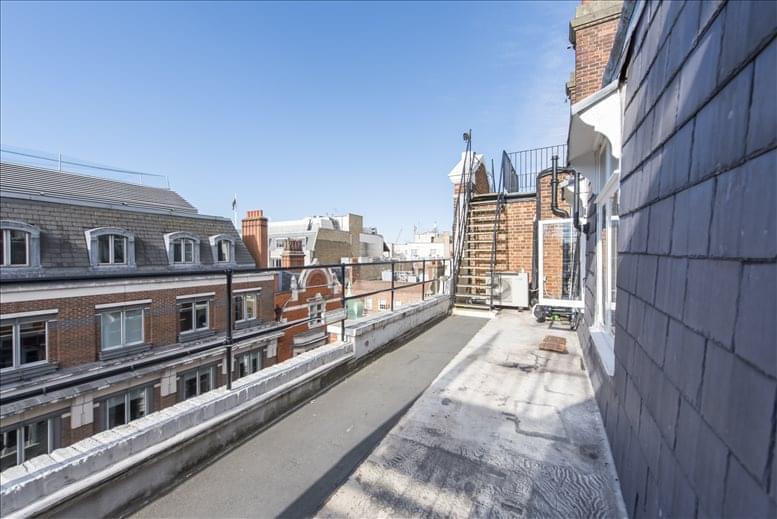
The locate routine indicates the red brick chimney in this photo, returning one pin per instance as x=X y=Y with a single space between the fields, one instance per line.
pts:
x=255 y=236
x=592 y=33
x=292 y=255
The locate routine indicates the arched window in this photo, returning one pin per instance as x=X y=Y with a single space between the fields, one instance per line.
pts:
x=183 y=248
x=110 y=246
x=19 y=244
x=223 y=248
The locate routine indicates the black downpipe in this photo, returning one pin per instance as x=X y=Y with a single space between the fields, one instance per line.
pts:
x=554 y=191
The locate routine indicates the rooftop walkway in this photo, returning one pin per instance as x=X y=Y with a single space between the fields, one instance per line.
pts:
x=506 y=429
x=290 y=468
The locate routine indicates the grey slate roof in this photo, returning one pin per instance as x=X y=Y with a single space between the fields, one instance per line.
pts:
x=29 y=180
x=63 y=248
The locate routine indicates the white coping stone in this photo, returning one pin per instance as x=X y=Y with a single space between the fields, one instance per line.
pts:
x=40 y=477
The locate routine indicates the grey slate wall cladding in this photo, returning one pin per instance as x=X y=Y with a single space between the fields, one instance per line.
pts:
x=63 y=244
x=692 y=406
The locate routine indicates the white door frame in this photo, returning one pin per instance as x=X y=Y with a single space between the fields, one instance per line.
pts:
x=543 y=301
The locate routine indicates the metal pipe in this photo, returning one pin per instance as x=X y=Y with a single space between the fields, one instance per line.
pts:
x=392 y=286
x=228 y=338
x=342 y=302
x=423 y=279
x=554 y=191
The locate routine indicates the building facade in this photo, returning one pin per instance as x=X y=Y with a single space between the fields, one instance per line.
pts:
x=674 y=124
x=430 y=244
x=119 y=288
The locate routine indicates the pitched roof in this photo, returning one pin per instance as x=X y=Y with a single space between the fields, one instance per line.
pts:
x=27 y=180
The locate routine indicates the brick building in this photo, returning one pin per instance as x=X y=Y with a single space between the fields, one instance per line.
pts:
x=119 y=288
x=675 y=128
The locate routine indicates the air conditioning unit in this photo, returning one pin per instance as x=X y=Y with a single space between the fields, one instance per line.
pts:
x=511 y=289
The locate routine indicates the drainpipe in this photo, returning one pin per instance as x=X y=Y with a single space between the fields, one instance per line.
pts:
x=554 y=191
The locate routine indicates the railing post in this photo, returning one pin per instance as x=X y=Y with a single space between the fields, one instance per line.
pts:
x=423 y=279
x=392 y=285
x=228 y=338
x=342 y=301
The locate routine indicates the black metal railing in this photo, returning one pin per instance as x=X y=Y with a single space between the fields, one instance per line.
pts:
x=412 y=280
x=528 y=163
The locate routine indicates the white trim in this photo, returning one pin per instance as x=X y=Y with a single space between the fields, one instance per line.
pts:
x=569 y=303
x=244 y=290
x=123 y=303
x=194 y=296
x=22 y=293
x=34 y=313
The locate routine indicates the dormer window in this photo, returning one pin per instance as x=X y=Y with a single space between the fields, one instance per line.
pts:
x=14 y=248
x=19 y=244
x=223 y=248
x=183 y=251
x=183 y=248
x=112 y=249
x=110 y=246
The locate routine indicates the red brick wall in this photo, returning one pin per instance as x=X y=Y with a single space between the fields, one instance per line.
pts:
x=255 y=236
x=593 y=43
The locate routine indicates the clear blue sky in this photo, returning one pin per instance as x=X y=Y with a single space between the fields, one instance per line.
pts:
x=300 y=108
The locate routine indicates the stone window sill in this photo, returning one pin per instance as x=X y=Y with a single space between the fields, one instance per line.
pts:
x=604 y=343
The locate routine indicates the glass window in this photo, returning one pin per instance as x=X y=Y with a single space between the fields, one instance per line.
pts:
x=111 y=249
x=238 y=310
x=183 y=251
x=186 y=317
x=250 y=306
x=111 y=329
x=607 y=242
x=22 y=342
x=32 y=341
x=14 y=248
x=8 y=449
x=198 y=381
x=222 y=250
x=36 y=439
x=6 y=346
x=124 y=408
x=316 y=313
x=193 y=316
x=121 y=328
x=116 y=411
x=248 y=363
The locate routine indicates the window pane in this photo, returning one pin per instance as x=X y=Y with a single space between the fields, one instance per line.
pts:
x=614 y=247
x=137 y=404
x=118 y=249
x=238 y=308
x=255 y=361
x=116 y=411
x=188 y=251
x=8 y=443
x=36 y=439
x=111 y=329
x=134 y=326
x=250 y=306
x=104 y=248
x=6 y=346
x=32 y=339
x=2 y=246
x=189 y=385
x=242 y=366
x=205 y=380
x=18 y=247
x=223 y=250
x=177 y=251
x=185 y=317
x=202 y=315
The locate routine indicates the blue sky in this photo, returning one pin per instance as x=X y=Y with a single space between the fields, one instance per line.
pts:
x=300 y=108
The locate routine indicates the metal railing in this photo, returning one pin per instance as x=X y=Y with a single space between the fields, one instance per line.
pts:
x=59 y=162
x=348 y=282
x=528 y=163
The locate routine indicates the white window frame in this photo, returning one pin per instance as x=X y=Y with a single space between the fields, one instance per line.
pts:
x=16 y=343
x=147 y=395
x=316 y=312
x=382 y=305
x=244 y=317
x=249 y=355
x=112 y=238
x=182 y=243
x=51 y=439
x=124 y=343
x=7 y=248
x=194 y=302
x=602 y=332
x=215 y=242
x=210 y=368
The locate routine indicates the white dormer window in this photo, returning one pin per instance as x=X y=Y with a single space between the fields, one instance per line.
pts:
x=183 y=248
x=223 y=248
x=19 y=244
x=110 y=246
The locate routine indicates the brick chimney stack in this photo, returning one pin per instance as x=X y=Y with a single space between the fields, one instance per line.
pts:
x=292 y=255
x=592 y=33
x=255 y=236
